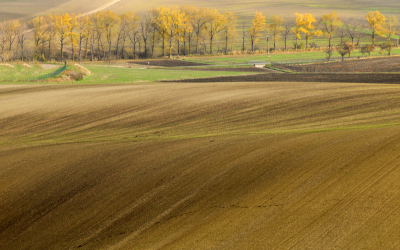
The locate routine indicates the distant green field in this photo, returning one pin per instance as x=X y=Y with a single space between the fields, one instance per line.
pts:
x=285 y=57
x=105 y=74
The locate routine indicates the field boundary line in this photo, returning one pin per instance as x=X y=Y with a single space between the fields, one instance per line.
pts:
x=101 y=8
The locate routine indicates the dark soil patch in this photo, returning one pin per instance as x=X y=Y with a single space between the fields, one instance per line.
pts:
x=382 y=64
x=306 y=77
x=167 y=63
x=232 y=69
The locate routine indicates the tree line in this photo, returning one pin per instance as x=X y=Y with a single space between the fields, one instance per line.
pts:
x=175 y=30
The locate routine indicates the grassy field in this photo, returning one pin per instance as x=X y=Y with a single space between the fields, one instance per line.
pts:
x=105 y=74
x=282 y=56
x=200 y=166
x=21 y=71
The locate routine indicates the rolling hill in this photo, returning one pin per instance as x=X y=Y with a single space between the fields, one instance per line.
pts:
x=25 y=9
x=200 y=166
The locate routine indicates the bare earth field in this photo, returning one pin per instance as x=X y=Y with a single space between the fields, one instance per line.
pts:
x=253 y=165
x=383 y=64
x=305 y=77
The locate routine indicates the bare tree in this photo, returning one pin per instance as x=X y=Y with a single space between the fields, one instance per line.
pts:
x=341 y=32
x=22 y=36
x=287 y=26
x=354 y=27
x=11 y=31
x=145 y=29
x=3 y=38
x=134 y=35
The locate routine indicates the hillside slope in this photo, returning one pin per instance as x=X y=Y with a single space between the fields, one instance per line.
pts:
x=25 y=9
x=28 y=9
x=200 y=166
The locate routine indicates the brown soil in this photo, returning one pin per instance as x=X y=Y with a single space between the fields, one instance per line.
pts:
x=200 y=166
x=236 y=69
x=305 y=77
x=384 y=64
x=167 y=63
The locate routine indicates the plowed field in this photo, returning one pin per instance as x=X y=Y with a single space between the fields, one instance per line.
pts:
x=384 y=64
x=305 y=77
x=200 y=166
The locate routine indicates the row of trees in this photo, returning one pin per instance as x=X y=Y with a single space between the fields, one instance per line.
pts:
x=329 y=25
x=180 y=30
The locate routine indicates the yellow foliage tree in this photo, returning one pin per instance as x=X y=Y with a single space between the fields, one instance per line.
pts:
x=159 y=22
x=38 y=26
x=391 y=26
x=187 y=26
x=257 y=26
x=305 y=24
x=173 y=18
x=62 y=25
x=72 y=35
x=199 y=23
x=376 y=22
x=330 y=23
x=297 y=27
x=274 y=27
x=215 y=24
x=11 y=31
x=229 y=30
x=109 y=21
x=83 y=24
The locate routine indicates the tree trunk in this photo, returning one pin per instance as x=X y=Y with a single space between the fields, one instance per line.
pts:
x=226 y=45
x=211 y=44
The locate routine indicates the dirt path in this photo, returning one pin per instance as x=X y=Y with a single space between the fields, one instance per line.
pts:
x=102 y=7
x=49 y=66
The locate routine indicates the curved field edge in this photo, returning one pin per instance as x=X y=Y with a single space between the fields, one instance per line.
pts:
x=388 y=78
x=200 y=165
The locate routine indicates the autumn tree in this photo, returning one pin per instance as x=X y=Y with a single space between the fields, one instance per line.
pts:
x=133 y=33
x=376 y=22
x=342 y=50
x=391 y=26
x=3 y=38
x=215 y=24
x=72 y=35
x=62 y=24
x=173 y=20
x=199 y=21
x=296 y=30
x=329 y=23
x=110 y=21
x=229 y=29
x=124 y=28
x=287 y=26
x=159 y=23
x=22 y=37
x=83 y=24
x=305 y=24
x=50 y=32
x=187 y=26
x=257 y=26
x=11 y=31
x=275 y=27
x=145 y=27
